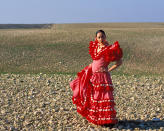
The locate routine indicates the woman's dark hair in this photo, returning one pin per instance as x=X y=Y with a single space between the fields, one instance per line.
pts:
x=100 y=31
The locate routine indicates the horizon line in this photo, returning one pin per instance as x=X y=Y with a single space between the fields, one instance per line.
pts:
x=75 y=23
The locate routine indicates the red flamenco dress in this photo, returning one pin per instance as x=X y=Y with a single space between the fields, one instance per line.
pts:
x=93 y=88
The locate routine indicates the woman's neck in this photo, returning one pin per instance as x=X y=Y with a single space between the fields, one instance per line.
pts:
x=102 y=44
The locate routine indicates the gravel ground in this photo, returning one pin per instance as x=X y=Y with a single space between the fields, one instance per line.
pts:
x=43 y=102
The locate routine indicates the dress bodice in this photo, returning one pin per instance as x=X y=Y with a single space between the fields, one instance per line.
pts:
x=107 y=54
x=100 y=65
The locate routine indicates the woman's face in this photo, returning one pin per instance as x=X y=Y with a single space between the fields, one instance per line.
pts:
x=100 y=37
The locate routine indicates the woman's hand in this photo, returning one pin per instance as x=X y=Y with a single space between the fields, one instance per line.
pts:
x=118 y=63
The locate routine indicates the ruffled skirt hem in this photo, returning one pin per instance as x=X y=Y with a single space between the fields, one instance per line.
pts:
x=108 y=117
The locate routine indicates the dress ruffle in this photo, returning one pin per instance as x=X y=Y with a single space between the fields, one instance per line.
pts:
x=101 y=81
x=80 y=84
x=110 y=52
x=113 y=52
x=101 y=77
x=98 y=112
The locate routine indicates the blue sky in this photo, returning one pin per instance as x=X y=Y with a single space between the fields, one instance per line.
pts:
x=80 y=11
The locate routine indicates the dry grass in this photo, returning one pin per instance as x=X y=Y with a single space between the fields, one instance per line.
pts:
x=64 y=48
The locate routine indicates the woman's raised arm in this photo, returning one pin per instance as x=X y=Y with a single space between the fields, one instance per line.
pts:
x=117 y=64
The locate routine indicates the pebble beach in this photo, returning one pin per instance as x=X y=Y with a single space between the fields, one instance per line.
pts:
x=44 y=102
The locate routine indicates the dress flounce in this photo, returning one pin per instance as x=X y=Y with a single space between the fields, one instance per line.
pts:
x=101 y=81
x=92 y=49
x=111 y=52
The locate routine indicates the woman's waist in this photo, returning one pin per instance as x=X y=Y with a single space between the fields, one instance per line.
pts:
x=99 y=63
x=100 y=69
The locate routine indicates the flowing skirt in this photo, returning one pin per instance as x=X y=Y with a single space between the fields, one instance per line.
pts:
x=98 y=104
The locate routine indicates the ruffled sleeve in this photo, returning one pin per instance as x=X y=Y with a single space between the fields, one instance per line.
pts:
x=91 y=47
x=114 y=52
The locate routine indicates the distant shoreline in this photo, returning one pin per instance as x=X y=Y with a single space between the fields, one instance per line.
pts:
x=49 y=25
x=24 y=26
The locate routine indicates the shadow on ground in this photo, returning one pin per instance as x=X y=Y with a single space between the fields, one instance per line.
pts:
x=140 y=124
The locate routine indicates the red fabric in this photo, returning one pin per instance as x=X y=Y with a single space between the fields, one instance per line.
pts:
x=80 y=84
x=111 y=52
x=93 y=91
